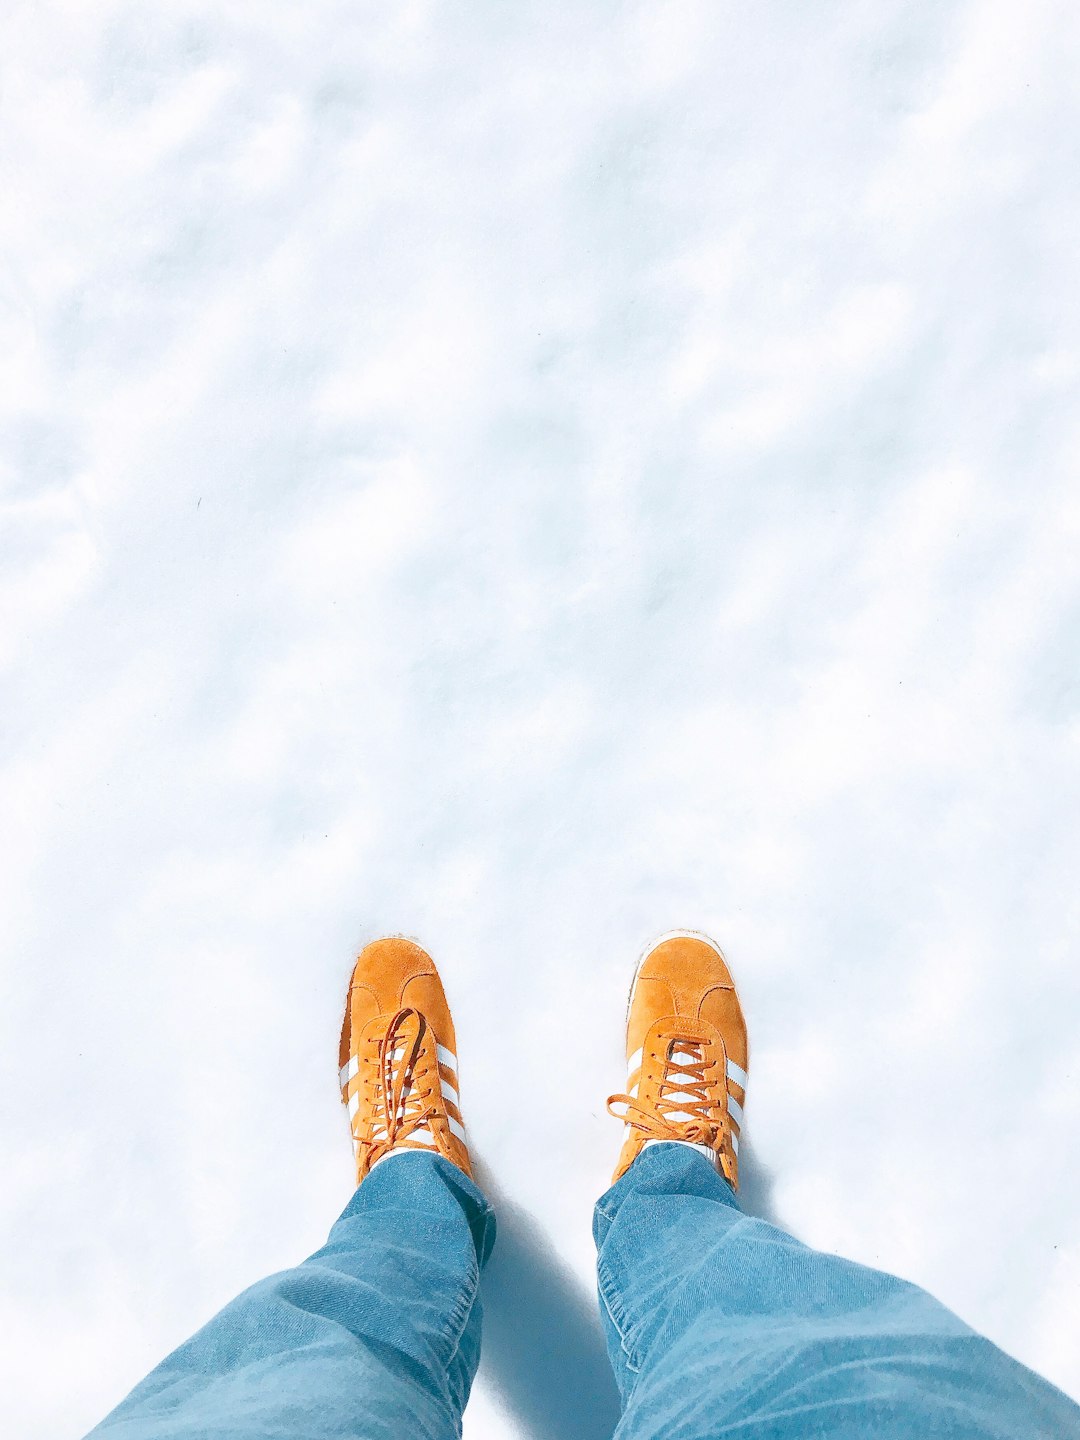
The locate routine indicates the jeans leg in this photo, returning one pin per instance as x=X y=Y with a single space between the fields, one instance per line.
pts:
x=374 y=1337
x=722 y=1325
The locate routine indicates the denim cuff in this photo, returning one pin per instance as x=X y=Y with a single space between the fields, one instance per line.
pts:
x=667 y=1168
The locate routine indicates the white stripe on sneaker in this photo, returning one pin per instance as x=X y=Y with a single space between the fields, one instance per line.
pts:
x=735 y=1110
x=737 y=1073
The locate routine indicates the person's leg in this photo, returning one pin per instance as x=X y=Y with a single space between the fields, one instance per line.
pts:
x=723 y=1325
x=376 y=1335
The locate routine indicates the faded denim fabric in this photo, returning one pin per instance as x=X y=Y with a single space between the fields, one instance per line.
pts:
x=375 y=1337
x=722 y=1325
x=717 y=1325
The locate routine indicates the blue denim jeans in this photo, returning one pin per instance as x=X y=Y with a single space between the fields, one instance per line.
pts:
x=717 y=1325
x=721 y=1325
x=376 y=1335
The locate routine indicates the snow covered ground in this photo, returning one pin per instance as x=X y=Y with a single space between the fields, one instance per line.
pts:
x=532 y=476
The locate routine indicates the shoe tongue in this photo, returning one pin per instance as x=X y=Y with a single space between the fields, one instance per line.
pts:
x=409 y=1103
x=408 y=1027
x=685 y=1052
x=683 y=1049
x=680 y=1038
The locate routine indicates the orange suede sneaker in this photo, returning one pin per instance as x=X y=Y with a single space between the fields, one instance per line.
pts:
x=686 y=1054
x=398 y=1069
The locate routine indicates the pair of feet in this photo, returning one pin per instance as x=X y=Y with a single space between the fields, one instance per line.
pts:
x=686 y=1056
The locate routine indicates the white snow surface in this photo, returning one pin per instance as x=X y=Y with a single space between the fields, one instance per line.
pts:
x=531 y=477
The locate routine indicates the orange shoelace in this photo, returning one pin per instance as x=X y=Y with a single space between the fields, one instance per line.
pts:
x=685 y=1107
x=405 y=1107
